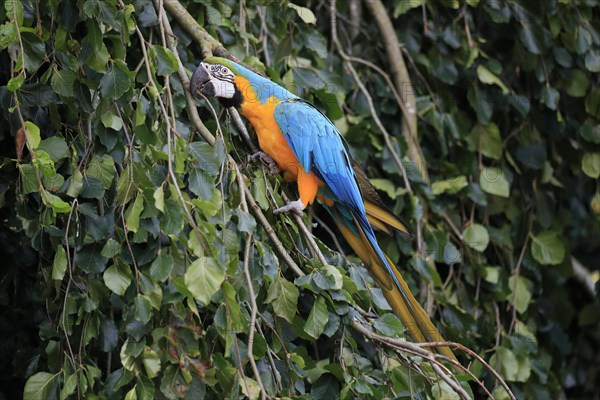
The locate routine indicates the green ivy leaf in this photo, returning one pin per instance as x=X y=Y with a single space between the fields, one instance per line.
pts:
x=476 y=237
x=493 y=181
x=117 y=278
x=114 y=83
x=132 y=215
x=105 y=11
x=592 y=103
x=8 y=34
x=103 y=169
x=577 y=83
x=90 y=260
x=111 y=248
x=514 y=368
x=325 y=278
x=486 y=76
x=39 y=386
x=151 y=361
x=235 y=321
x=56 y=147
x=550 y=97
x=142 y=308
x=29 y=182
x=159 y=198
x=204 y=278
x=55 y=202
x=166 y=61
x=53 y=183
x=304 y=13
x=70 y=386
x=389 y=325
x=161 y=267
x=592 y=61
x=44 y=163
x=520 y=296
x=34 y=51
x=548 y=248
x=489 y=138
x=112 y=121
x=211 y=207
x=32 y=135
x=207 y=158
x=388 y=187
x=246 y=222
x=335 y=274
x=59 y=267
x=530 y=38
x=75 y=184
x=317 y=319
x=450 y=186
x=283 y=295
x=63 y=82
x=590 y=164
x=15 y=83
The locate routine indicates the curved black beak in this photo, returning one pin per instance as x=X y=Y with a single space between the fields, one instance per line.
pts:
x=200 y=82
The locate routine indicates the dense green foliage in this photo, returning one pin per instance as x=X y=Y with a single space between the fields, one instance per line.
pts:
x=107 y=291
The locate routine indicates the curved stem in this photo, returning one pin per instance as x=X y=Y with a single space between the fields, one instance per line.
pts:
x=402 y=82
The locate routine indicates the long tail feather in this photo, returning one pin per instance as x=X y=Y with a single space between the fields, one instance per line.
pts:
x=383 y=219
x=395 y=290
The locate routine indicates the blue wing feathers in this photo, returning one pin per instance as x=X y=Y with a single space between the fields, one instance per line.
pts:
x=318 y=146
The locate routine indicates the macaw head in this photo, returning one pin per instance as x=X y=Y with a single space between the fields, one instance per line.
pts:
x=214 y=77
x=233 y=84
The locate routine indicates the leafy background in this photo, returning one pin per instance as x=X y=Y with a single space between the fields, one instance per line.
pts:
x=134 y=231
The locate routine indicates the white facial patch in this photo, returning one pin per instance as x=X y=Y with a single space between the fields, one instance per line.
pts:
x=222 y=79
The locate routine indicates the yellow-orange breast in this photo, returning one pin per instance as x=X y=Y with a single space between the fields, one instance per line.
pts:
x=272 y=141
x=270 y=137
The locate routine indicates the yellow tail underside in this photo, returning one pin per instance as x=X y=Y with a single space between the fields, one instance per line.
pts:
x=413 y=317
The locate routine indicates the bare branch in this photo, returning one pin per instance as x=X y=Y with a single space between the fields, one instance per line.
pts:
x=402 y=82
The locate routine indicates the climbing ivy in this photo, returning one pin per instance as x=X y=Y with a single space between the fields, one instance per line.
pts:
x=141 y=256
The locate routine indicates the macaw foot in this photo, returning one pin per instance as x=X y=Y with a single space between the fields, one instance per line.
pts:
x=267 y=160
x=296 y=206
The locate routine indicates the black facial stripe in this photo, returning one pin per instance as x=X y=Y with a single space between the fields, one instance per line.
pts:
x=235 y=101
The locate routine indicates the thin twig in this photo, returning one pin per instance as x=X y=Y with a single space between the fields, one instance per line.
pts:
x=414 y=349
x=583 y=276
x=471 y=353
x=387 y=79
x=365 y=92
x=452 y=226
x=307 y=234
x=263 y=37
x=420 y=350
x=254 y=306
x=74 y=203
x=271 y=232
x=402 y=81
x=241 y=128
x=333 y=236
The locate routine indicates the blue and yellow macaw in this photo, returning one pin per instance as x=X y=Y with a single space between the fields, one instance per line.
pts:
x=308 y=149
